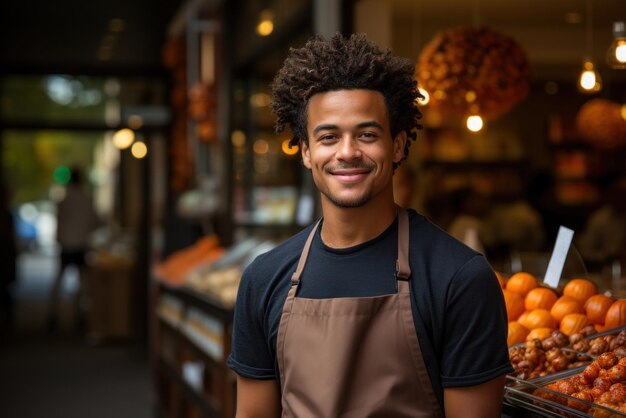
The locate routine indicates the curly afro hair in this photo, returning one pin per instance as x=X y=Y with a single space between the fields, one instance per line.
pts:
x=341 y=63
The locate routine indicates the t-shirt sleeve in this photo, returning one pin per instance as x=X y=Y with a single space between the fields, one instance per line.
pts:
x=250 y=353
x=475 y=335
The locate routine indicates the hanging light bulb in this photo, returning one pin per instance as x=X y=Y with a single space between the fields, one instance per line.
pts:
x=616 y=55
x=474 y=123
x=589 y=80
x=265 y=26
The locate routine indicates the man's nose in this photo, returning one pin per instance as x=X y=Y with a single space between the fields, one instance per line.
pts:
x=348 y=148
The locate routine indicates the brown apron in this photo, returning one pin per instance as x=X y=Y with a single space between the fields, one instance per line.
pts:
x=353 y=357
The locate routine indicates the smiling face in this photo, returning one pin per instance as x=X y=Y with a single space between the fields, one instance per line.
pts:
x=350 y=149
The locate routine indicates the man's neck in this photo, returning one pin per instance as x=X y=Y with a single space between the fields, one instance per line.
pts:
x=347 y=227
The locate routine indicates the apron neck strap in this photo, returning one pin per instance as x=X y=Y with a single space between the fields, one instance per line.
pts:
x=295 y=277
x=403 y=271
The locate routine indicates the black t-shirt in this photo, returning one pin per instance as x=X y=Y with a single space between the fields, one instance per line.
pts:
x=458 y=307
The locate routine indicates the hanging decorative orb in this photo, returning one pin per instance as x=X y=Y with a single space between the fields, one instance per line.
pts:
x=599 y=122
x=202 y=108
x=473 y=71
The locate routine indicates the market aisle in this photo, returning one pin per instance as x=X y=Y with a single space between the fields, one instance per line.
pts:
x=61 y=375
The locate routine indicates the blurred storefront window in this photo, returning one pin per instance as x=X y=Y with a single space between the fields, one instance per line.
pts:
x=54 y=99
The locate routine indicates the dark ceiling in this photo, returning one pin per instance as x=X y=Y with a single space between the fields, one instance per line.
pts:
x=66 y=36
x=83 y=37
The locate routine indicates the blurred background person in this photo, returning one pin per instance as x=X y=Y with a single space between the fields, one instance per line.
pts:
x=76 y=220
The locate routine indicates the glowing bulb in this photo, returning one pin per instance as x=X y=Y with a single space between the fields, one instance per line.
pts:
x=265 y=28
x=139 y=150
x=623 y=111
x=616 y=55
x=284 y=146
x=474 y=123
x=620 y=52
x=426 y=97
x=123 y=138
x=266 y=23
x=589 y=81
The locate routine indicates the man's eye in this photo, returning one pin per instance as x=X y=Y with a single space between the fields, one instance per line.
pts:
x=327 y=138
x=368 y=135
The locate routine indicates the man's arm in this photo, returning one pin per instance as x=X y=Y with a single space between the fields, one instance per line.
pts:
x=480 y=401
x=257 y=398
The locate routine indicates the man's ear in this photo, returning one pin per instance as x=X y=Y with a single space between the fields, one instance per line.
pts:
x=306 y=154
x=398 y=146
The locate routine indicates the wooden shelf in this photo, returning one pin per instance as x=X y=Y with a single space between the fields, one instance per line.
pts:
x=203 y=403
x=191 y=327
x=194 y=298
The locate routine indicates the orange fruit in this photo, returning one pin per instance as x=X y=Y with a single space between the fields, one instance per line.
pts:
x=539 y=318
x=565 y=305
x=596 y=308
x=616 y=315
x=580 y=289
x=522 y=317
x=522 y=283
x=572 y=323
x=517 y=333
x=540 y=298
x=514 y=304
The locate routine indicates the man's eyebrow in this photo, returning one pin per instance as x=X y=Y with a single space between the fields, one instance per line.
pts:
x=370 y=124
x=330 y=127
x=324 y=127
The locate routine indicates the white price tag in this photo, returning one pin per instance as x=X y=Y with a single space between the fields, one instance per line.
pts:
x=557 y=260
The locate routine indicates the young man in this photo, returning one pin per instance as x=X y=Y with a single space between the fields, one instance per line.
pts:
x=374 y=311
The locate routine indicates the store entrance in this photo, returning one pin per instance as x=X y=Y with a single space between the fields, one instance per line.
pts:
x=37 y=166
x=109 y=130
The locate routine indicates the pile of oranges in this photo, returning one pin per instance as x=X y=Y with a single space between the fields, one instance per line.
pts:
x=535 y=311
